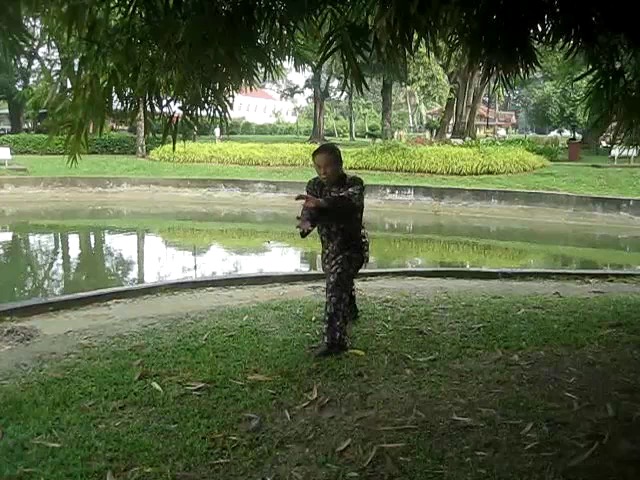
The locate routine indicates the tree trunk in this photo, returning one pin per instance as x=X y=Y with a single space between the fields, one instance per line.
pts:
x=16 y=114
x=317 y=133
x=447 y=115
x=591 y=137
x=387 y=105
x=460 y=121
x=478 y=93
x=140 y=255
x=66 y=261
x=141 y=149
x=352 y=119
x=409 y=109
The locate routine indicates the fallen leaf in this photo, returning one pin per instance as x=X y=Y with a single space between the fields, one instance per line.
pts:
x=246 y=317
x=581 y=458
x=256 y=377
x=110 y=475
x=195 y=386
x=400 y=427
x=221 y=461
x=481 y=454
x=392 y=445
x=205 y=336
x=527 y=429
x=287 y=415
x=343 y=446
x=157 y=387
x=314 y=393
x=360 y=353
x=571 y=395
x=531 y=445
x=304 y=405
x=430 y=358
x=610 y=411
x=237 y=382
x=323 y=402
x=370 y=457
x=46 y=444
x=461 y=419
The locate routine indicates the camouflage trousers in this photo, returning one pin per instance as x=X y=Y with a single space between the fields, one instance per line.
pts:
x=340 y=307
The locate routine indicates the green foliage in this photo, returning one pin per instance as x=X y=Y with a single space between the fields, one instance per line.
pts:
x=39 y=144
x=554 y=97
x=548 y=147
x=388 y=157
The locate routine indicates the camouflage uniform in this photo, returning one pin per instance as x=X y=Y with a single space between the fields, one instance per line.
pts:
x=345 y=249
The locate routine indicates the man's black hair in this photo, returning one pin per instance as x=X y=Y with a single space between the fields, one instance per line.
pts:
x=330 y=149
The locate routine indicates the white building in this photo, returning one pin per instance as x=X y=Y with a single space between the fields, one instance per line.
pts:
x=262 y=106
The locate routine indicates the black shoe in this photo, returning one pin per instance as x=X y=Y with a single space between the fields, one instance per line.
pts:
x=329 y=351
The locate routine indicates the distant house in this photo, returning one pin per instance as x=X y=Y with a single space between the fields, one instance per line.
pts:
x=486 y=122
x=262 y=106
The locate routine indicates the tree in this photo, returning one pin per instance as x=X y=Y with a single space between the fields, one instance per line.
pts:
x=19 y=72
x=555 y=96
x=308 y=53
x=182 y=63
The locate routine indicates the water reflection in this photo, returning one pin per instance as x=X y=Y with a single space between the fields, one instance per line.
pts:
x=81 y=251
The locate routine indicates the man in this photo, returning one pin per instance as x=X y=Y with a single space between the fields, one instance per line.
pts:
x=334 y=203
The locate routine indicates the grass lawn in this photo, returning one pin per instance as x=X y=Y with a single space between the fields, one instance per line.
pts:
x=450 y=387
x=558 y=178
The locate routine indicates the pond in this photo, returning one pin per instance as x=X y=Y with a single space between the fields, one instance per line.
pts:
x=53 y=249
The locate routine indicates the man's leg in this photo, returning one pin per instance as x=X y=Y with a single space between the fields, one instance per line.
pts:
x=337 y=306
x=353 y=306
x=356 y=262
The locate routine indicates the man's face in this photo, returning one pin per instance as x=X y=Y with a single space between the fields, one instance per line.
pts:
x=326 y=168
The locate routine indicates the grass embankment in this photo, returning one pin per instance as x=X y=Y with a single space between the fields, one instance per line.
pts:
x=555 y=178
x=451 y=387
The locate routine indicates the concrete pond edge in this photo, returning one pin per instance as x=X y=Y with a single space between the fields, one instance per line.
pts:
x=452 y=195
x=70 y=301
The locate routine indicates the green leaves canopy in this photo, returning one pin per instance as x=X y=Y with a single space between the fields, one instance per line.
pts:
x=196 y=53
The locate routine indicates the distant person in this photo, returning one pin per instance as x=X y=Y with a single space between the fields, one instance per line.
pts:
x=216 y=133
x=334 y=203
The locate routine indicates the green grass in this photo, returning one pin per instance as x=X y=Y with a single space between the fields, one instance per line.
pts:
x=556 y=178
x=464 y=387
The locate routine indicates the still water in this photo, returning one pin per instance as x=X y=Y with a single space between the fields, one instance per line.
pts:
x=46 y=252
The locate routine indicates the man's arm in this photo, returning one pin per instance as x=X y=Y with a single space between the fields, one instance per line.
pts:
x=308 y=218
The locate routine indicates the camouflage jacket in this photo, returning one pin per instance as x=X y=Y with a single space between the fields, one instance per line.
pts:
x=339 y=223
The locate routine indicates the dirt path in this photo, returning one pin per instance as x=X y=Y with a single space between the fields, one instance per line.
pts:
x=48 y=336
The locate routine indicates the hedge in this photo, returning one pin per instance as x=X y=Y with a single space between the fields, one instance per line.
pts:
x=388 y=157
x=40 y=144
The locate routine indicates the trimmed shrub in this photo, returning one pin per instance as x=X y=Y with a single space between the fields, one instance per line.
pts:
x=388 y=157
x=548 y=147
x=39 y=144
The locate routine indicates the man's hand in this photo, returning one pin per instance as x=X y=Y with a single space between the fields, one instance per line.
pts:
x=310 y=202
x=304 y=225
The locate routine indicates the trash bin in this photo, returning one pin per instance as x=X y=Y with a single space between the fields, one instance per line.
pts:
x=574 y=150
